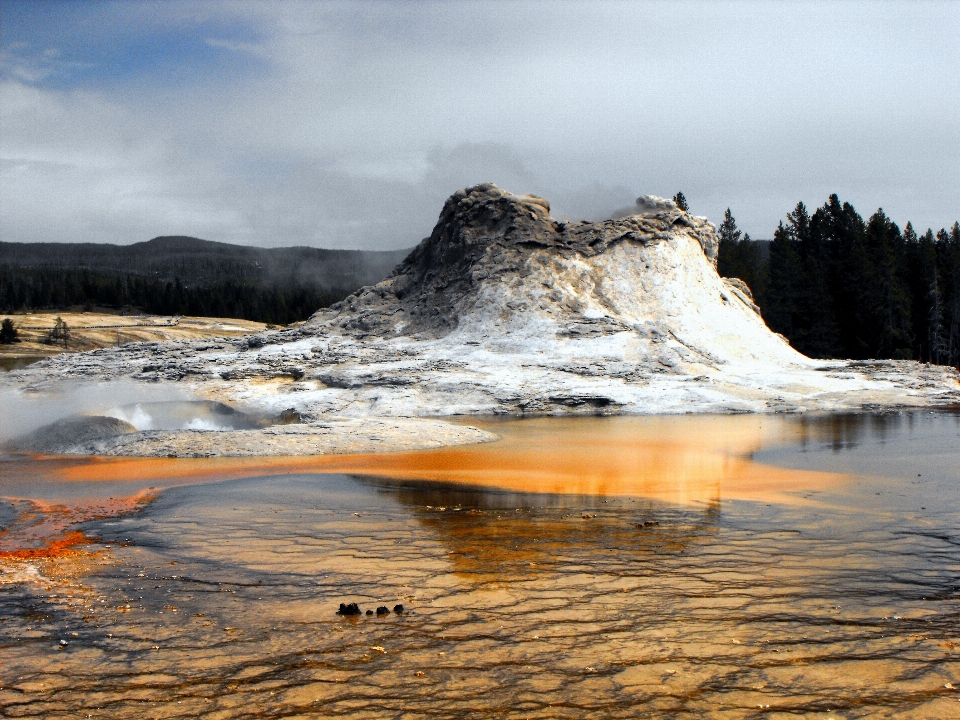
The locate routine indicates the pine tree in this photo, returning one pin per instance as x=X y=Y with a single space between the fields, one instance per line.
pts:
x=847 y=267
x=59 y=333
x=948 y=253
x=728 y=231
x=739 y=258
x=923 y=282
x=888 y=302
x=8 y=332
x=815 y=330
x=728 y=249
x=936 y=341
x=780 y=308
x=681 y=202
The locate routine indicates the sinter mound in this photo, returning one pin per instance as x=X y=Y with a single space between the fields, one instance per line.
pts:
x=504 y=309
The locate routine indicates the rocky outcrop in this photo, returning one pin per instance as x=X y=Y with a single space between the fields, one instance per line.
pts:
x=65 y=434
x=486 y=236
x=333 y=436
x=505 y=309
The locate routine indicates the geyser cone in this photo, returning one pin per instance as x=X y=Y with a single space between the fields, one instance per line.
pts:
x=640 y=288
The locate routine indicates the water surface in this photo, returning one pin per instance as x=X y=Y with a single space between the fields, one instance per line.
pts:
x=9 y=363
x=620 y=567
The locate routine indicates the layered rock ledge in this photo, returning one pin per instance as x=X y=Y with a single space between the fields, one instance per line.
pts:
x=332 y=436
x=507 y=310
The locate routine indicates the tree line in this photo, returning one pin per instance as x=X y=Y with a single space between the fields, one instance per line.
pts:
x=201 y=262
x=55 y=289
x=837 y=286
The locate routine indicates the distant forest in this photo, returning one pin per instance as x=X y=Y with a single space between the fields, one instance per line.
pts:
x=840 y=287
x=186 y=276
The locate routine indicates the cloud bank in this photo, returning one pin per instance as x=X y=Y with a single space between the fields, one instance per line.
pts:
x=347 y=125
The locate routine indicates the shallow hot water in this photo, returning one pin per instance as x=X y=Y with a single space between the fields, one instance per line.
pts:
x=667 y=567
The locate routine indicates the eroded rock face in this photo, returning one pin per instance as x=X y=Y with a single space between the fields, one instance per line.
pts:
x=499 y=272
x=486 y=236
x=505 y=309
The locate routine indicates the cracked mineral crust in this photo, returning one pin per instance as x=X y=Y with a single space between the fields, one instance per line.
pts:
x=504 y=309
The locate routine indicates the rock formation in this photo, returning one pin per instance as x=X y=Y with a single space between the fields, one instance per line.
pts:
x=504 y=309
x=67 y=433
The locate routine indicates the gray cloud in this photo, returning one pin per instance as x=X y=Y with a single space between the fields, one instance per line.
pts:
x=364 y=117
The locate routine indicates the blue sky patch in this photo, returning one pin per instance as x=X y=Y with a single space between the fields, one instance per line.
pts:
x=121 y=46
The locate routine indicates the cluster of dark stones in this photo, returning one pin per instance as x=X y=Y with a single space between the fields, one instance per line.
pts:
x=352 y=609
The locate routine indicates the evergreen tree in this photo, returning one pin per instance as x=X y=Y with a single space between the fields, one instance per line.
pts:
x=728 y=232
x=59 y=333
x=888 y=302
x=681 y=202
x=938 y=351
x=948 y=252
x=739 y=258
x=847 y=264
x=814 y=327
x=8 y=332
x=780 y=308
x=926 y=303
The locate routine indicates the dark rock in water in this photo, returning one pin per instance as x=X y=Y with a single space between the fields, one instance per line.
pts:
x=398 y=609
x=349 y=610
x=383 y=610
x=219 y=408
x=369 y=612
x=63 y=435
x=290 y=416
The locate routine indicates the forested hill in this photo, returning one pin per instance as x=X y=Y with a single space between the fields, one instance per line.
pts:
x=201 y=261
x=186 y=276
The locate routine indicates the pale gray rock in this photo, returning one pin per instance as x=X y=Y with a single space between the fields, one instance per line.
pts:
x=332 y=437
x=63 y=435
x=504 y=309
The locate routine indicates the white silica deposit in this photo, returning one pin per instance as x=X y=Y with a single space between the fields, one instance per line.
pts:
x=504 y=309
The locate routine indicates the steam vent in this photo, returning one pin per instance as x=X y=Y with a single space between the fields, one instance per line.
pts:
x=505 y=309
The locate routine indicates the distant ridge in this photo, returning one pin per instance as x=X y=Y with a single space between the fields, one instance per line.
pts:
x=193 y=260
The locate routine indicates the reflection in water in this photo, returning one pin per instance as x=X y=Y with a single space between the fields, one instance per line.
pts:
x=219 y=599
x=504 y=535
x=679 y=459
x=844 y=431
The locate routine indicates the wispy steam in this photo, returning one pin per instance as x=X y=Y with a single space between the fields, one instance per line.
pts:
x=25 y=412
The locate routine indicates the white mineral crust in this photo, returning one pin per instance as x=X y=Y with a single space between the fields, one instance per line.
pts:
x=505 y=310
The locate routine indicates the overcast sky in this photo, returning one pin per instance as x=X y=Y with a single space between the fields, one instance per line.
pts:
x=347 y=125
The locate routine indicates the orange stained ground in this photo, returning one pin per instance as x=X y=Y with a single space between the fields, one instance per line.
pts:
x=677 y=459
x=43 y=529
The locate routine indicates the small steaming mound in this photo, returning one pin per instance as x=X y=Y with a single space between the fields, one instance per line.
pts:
x=195 y=415
x=84 y=433
x=63 y=435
